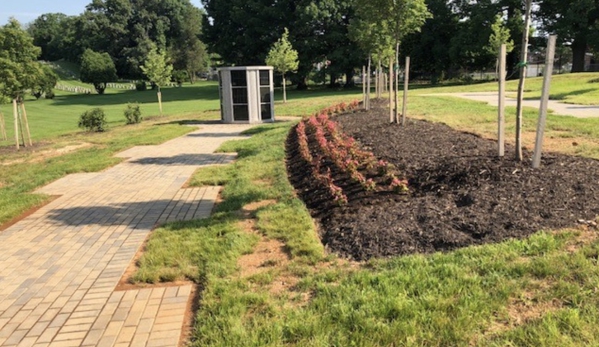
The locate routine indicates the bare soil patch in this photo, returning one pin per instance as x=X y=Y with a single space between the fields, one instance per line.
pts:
x=461 y=193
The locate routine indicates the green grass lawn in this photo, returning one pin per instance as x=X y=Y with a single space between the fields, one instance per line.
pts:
x=578 y=88
x=541 y=291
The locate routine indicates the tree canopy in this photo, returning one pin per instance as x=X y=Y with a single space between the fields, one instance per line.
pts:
x=19 y=69
x=97 y=69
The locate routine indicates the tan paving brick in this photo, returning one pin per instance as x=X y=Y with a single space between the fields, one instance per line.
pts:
x=59 y=265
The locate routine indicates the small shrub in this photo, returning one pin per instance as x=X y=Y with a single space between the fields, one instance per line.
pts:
x=50 y=95
x=93 y=120
x=133 y=114
x=179 y=76
x=141 y=86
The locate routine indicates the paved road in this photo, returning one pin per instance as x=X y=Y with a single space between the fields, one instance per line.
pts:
x=579 y=111
x=59 y=266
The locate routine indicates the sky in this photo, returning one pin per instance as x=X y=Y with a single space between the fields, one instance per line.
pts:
x=26 y=11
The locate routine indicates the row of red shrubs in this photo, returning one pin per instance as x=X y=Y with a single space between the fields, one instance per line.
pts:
x=321 y=141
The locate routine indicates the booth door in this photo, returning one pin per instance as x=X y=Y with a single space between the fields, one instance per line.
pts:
x=265 y=95
x=239 y=90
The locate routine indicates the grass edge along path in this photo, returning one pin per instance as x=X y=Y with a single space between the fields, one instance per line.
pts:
x=540 y=291
x=18 y=181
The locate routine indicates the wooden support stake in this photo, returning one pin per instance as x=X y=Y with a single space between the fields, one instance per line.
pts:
x=368 y=72
x=160 y=101
x=396 y=91
x=2 y=127
x=549 y=59
x=501 y=103
x=390 y=90
x=376 y=82
x=364 y=86
x=26 y=124
x=16 y=116
x=406 y=80
x=21 y=126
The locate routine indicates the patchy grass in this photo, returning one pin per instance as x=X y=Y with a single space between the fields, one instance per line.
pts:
x=258 y=174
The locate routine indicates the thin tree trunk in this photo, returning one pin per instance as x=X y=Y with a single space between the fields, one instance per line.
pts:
x=284 y=90
x=376 y=82
x=26 y=124
x=579 y=49
x=523 y=59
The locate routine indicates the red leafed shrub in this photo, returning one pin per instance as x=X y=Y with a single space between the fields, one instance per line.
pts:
x=325 y=146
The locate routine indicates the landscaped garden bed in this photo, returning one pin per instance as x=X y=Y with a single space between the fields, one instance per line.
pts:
x=459 y=193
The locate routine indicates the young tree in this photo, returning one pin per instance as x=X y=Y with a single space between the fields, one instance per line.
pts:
x=158 y=71
x=500 y=34
x=392 y=19
x=283 y=58
x=45 y=83
x=19 y=69
x=97 y=69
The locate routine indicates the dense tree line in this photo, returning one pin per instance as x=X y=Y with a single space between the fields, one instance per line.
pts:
x=456 y=37
x=126 y=30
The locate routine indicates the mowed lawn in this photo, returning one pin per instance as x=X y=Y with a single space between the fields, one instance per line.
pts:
x=541 y=291
x=579 y=88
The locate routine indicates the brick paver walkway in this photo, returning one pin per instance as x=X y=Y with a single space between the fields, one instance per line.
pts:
x=59 y=266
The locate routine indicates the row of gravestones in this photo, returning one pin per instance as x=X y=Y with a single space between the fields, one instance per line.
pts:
x=83 y=90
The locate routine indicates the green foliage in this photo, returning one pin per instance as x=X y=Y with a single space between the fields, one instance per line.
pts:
x=97 y=69
x=45 y=83
x=179 y=76
x=499 y=35
x=19 y=69
x=575 y=22
x=382 y=20
x=156 y=68
x=50 y=33
x=133 y=114
x=282 y=56
x=93 y=120
x=141 y=86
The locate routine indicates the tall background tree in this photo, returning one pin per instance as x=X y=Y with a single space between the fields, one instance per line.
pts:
x=97 y=69
x=126 y=30
x=574 y=22
x=19 y=68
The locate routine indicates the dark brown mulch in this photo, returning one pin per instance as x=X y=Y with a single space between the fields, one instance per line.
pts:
x=461 y=194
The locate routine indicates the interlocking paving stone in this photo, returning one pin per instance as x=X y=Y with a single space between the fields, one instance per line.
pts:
x=59 y=266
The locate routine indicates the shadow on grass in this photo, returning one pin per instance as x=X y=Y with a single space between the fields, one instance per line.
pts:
x=563 y=96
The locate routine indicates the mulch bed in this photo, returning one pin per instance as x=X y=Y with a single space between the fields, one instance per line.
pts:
x=461 y=193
